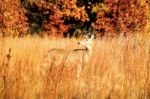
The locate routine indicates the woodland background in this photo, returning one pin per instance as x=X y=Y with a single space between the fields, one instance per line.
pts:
x=119 y=67
x=74 y=17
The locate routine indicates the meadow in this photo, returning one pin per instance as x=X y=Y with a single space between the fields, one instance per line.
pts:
x=118 y=69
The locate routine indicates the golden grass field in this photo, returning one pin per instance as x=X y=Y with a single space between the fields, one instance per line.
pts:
x=119 y=69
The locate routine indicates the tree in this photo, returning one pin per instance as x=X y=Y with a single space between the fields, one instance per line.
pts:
x=60 y=15
x=14 y=19
x=122 y=16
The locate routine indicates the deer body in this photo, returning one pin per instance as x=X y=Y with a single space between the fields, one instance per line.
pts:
x=75 y=57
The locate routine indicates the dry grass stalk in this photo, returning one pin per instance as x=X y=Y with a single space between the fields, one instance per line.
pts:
x=118 y=69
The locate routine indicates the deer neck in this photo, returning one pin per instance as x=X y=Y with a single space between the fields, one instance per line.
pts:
x=89 y=51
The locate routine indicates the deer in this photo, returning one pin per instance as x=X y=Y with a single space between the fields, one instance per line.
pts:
x=70 y=57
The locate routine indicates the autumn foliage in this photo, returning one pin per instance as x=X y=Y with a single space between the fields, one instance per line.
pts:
x=122 y=16
x=14 y=21
x=71 y=17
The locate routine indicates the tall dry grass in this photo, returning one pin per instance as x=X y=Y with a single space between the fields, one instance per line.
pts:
x=118 y=69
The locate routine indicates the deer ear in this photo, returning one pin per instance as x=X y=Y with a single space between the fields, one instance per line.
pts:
x=92 y=36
